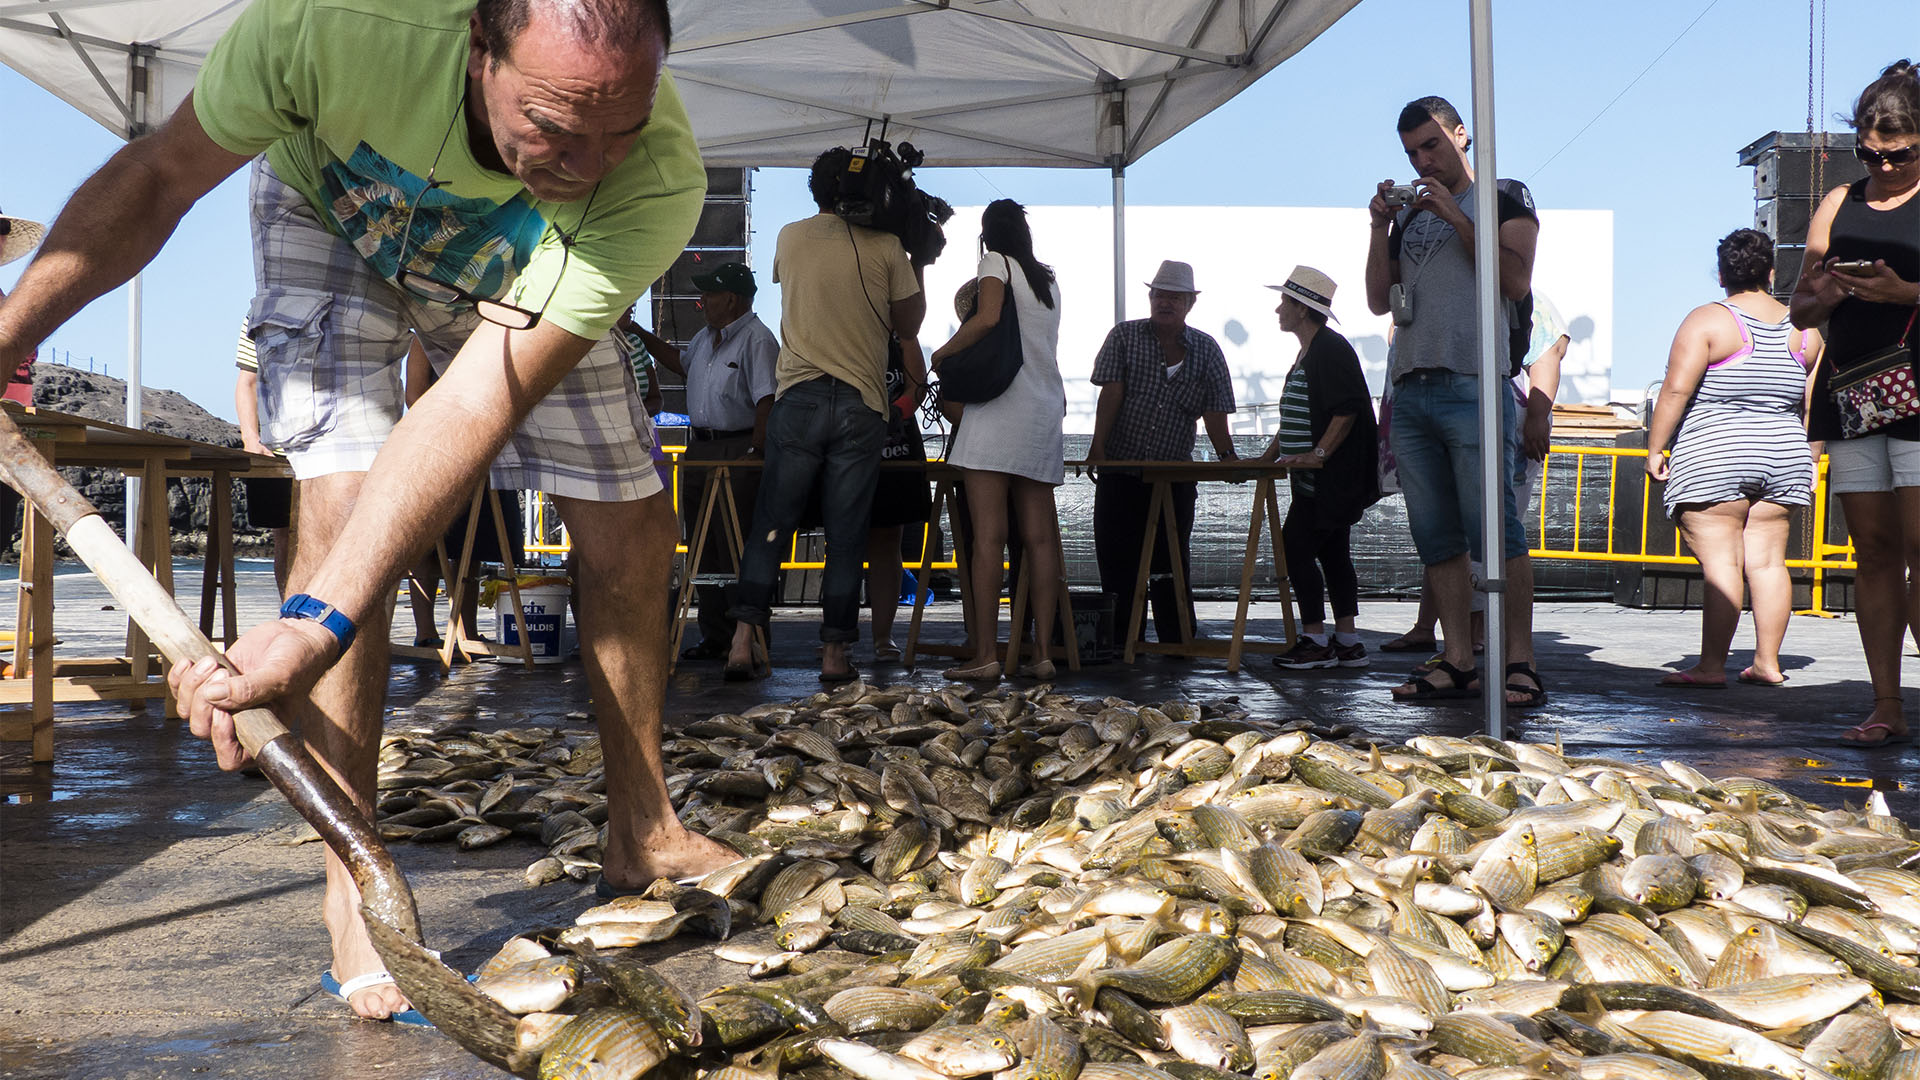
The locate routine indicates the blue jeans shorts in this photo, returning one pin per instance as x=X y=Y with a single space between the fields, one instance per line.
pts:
x=1436 y=444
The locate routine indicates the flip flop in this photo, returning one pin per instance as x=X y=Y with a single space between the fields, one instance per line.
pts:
x=1888 y=735
x=1426 y=693
x=833 y=677
x=1685 y=681
x=1747 y=676
x=345 y=991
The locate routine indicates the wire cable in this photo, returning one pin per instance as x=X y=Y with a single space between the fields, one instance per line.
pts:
x=1623 y=92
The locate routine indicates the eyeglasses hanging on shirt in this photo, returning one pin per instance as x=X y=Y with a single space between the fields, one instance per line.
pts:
x=498 y=312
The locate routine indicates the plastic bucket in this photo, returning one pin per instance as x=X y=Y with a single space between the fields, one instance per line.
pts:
x=545 y=609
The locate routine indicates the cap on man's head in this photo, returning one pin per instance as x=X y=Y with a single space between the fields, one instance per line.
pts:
x=1174 y=276
x=730 y=277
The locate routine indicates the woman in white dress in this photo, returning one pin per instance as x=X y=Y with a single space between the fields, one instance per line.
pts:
x=1012 y=445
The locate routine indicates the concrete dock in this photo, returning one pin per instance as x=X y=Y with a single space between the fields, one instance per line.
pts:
x=155 y=921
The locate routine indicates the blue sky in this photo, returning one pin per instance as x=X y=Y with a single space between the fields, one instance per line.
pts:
x=1318 y=131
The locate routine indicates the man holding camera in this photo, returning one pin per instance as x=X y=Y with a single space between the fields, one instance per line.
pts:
x=846 y=291
x=1420 y=268
x=729 y=368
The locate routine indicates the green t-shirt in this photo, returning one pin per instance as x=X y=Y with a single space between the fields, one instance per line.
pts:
x=350 y=100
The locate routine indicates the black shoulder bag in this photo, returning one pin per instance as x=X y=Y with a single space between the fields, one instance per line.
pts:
x=983 y=371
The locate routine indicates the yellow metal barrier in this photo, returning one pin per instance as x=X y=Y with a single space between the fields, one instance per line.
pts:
x=553 y=540
x=1824 y=557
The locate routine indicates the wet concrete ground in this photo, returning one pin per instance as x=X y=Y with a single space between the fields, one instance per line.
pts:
x=154 y=921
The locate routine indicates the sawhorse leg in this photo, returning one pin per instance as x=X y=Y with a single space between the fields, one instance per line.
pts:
x=1137 y=615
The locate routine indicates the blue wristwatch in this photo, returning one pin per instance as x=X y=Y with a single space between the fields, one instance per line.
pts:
x=302 y=606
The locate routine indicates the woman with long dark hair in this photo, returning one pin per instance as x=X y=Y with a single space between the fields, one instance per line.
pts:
x=1012 y=445
x=1862 y=279
x=1728 y=440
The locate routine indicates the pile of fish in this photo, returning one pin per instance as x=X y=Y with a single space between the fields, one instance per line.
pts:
x=477 y=788
x=1027 y=886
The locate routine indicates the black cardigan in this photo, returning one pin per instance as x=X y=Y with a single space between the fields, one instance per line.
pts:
x=1349 y=482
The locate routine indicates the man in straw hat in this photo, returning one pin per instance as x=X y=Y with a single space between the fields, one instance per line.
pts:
x=1330 y=445
x=501 y=181
x=1156 y=376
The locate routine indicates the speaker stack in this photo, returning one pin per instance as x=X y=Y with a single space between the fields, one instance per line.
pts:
x=719 y=238
x=1792 y=172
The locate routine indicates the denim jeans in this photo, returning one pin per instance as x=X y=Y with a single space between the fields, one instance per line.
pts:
x=1436 y=444
x=820 y=431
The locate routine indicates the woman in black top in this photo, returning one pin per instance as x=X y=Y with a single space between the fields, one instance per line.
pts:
x=1328 y=438
x=1862 y=278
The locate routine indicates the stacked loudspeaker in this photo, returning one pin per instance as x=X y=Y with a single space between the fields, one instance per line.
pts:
x=1792 y=172
x=719 y=238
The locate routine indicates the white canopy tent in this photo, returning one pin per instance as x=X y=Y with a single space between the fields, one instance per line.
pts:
x=1061 y=83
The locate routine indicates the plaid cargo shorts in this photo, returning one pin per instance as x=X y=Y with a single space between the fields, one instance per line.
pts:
x=332 y=339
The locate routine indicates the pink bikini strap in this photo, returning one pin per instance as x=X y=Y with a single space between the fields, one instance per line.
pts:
x=1746 y=349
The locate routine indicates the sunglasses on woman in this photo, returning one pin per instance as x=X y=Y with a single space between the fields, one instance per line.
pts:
x=1897 y=158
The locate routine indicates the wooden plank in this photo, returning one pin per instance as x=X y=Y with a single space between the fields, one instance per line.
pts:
x=84 y=689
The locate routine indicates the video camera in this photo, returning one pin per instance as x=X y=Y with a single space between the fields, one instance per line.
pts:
x=876 y=189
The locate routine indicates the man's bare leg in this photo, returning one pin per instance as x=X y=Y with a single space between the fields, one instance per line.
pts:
x=1451 y=585
x=625 y=554
x=1518 y=633
x=340 y=723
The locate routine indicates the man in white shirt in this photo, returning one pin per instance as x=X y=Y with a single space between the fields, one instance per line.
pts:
x=729 y=368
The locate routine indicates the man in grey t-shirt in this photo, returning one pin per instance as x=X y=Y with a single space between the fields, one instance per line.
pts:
x=1420 y=268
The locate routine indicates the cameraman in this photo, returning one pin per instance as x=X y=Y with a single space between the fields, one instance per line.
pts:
x=1420 y=268
x=846 y=290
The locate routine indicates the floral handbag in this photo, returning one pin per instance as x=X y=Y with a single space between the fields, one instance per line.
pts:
x=1879 y=390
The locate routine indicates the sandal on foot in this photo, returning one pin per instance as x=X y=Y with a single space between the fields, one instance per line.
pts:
x=1749 y=677
x=1426 y=692
x=706 y=650
x=1686 y=680
x=345 y=991
x=1866 y=732
x=886 y=654
x=1044 y=669
x=1535 y=695
x=987 y=672
x=1409 y=643
x=833 y=677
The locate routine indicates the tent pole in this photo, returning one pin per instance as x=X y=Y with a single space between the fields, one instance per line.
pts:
x=1493 y=377
x=137 y=75
x=133 y=395
x=1119 y=243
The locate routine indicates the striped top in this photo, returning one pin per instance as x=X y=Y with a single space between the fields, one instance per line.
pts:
x=1296 y=426
x=1741 y=436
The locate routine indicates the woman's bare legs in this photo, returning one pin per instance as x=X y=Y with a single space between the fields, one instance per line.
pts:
x=1875 y=520
x=987 y=505
x=883 y=582
x=1714 y=536
x=1046 y=566
x=1769 y=587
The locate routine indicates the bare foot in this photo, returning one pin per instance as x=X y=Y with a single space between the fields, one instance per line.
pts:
x=1695 y=676
x=353 y=951
x=674 y=852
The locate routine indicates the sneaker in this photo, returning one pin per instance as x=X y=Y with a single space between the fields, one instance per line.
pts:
x=1354 y=655
x=1305 y=655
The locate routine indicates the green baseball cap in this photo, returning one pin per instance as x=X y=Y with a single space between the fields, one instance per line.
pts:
x=730 y=277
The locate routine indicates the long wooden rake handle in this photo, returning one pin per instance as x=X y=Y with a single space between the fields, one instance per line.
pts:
x=282 y=758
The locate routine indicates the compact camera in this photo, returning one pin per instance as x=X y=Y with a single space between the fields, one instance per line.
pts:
x=1400 y=195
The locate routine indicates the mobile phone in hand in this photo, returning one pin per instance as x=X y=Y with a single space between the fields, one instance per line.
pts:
x=1856 y=267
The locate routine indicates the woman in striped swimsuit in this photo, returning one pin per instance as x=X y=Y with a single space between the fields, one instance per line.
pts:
x=1735 y=389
